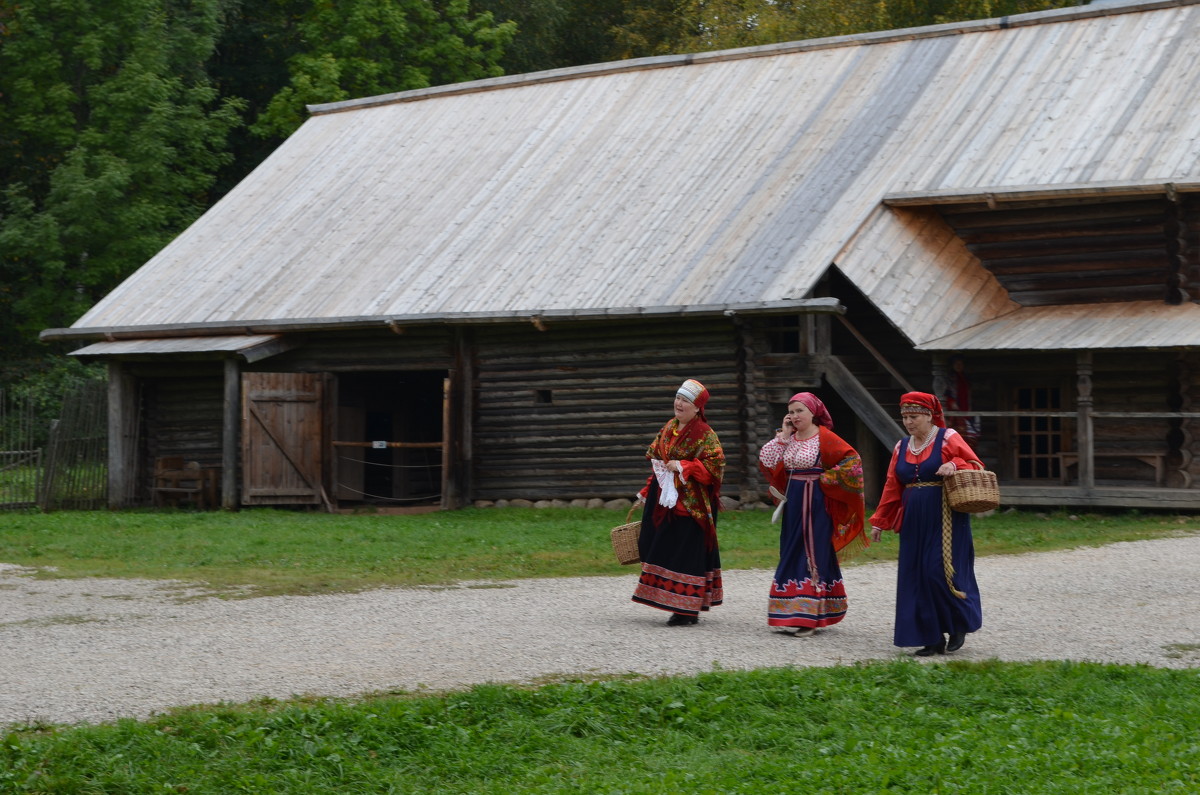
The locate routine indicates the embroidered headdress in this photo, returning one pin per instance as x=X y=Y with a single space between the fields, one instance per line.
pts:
x=820 y=414
x=923 y=403
x=696 y=393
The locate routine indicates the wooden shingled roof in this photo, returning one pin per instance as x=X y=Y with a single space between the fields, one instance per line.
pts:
x=732 y=178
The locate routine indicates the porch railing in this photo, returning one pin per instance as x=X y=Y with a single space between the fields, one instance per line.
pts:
x=1086 y=452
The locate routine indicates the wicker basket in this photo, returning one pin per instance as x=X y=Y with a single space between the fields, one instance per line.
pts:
x=625 y=539
x=972 y=490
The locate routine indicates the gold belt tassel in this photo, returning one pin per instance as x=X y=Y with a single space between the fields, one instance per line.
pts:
x=947 y=554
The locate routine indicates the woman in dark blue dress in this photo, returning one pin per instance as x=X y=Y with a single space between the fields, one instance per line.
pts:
x=937 y=597
x=822 y=478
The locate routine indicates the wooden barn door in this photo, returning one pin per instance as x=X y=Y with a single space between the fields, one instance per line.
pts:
x=282 y=433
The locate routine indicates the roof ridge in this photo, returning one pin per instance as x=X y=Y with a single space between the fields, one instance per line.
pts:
x=1103 y=9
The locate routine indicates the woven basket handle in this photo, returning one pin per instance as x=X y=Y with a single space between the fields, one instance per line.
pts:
x=629 y=515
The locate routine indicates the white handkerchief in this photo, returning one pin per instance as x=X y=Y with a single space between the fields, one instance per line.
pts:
x=778 y=514
x=668 y=495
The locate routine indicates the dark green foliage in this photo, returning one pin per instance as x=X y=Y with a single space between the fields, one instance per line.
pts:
x=541 y=30
x=116 y=120
x=39 y=388
x=324 y=52
x=110 y=133
x=653 y=27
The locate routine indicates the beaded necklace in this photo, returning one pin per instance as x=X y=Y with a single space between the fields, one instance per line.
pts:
x=916 y=449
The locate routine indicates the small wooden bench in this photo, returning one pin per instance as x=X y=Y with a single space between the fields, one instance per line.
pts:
x=175 y=481
x=1154 y=458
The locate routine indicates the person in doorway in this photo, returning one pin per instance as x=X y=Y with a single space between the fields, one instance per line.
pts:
x=681 y=561
x=958 y=398
x=819 y=479
x=937 y=597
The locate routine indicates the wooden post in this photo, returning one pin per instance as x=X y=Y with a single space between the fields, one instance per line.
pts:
x=819 y=334
x=50 y=467
x=457 y=411
x=231 y=420
x=122 y=436
x=449 y=487
x=1084 y=438
x=748 y=409
x=871 y=450
x=330 y=414
x=941 y=377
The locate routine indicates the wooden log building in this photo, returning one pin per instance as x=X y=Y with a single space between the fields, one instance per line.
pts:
x=492 y=289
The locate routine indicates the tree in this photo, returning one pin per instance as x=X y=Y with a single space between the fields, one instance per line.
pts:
x=701 y=25
x=541 y=28
x=358 y=48
x=552 y=34
x=655 y=27
x=110 y=133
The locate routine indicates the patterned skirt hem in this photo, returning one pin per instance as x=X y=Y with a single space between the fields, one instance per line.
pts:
x=682 y=611
x=809 y=623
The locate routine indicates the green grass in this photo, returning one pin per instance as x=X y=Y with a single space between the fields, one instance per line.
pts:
x=899 y=727
x=290 y=552
x=896 y=727
x=19 y=484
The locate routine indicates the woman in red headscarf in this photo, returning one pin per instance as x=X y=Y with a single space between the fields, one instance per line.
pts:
x=681 y=562
x=819 y=478
x=937 y=598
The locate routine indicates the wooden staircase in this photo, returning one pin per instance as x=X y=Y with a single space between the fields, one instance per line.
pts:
x=868 y=402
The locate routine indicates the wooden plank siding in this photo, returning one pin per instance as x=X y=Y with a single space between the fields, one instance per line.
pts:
x=180 y=416
x=1135 y=382
x=413 y=348
x=1121 y=382
x=569 y=412
x=587 y=394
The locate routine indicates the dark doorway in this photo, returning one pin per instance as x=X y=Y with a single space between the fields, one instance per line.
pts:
x=388 y=445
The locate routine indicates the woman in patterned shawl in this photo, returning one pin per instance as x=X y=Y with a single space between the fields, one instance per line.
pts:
x=937 y=597
x=681 y=563
x=820 y=478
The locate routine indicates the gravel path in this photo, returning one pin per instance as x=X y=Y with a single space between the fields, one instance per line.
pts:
x=98 y=649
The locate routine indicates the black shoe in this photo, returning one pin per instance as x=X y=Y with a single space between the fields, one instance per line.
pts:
x=929 y=651
x=680 y=620
x=956 y=641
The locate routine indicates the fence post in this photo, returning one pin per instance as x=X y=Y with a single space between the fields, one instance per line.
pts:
x=50 y=478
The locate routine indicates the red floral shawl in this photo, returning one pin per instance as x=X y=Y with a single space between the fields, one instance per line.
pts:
x=842 y=485
x=696 y=442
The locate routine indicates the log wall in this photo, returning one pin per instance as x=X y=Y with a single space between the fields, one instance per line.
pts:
x=180 y=416
x=1185 y=463
x=413 y=348
x=569 y=412
x=1122 y=381
x=1135 y=381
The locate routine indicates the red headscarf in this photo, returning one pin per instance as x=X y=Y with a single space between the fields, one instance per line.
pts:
x=820 y=413
x=924 y=403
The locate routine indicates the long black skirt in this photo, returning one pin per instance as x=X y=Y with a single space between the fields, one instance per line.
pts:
x=678 y=573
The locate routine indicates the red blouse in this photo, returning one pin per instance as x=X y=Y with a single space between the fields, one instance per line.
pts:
x=889 y=514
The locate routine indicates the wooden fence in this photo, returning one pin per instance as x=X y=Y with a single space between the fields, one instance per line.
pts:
x=60 y=464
